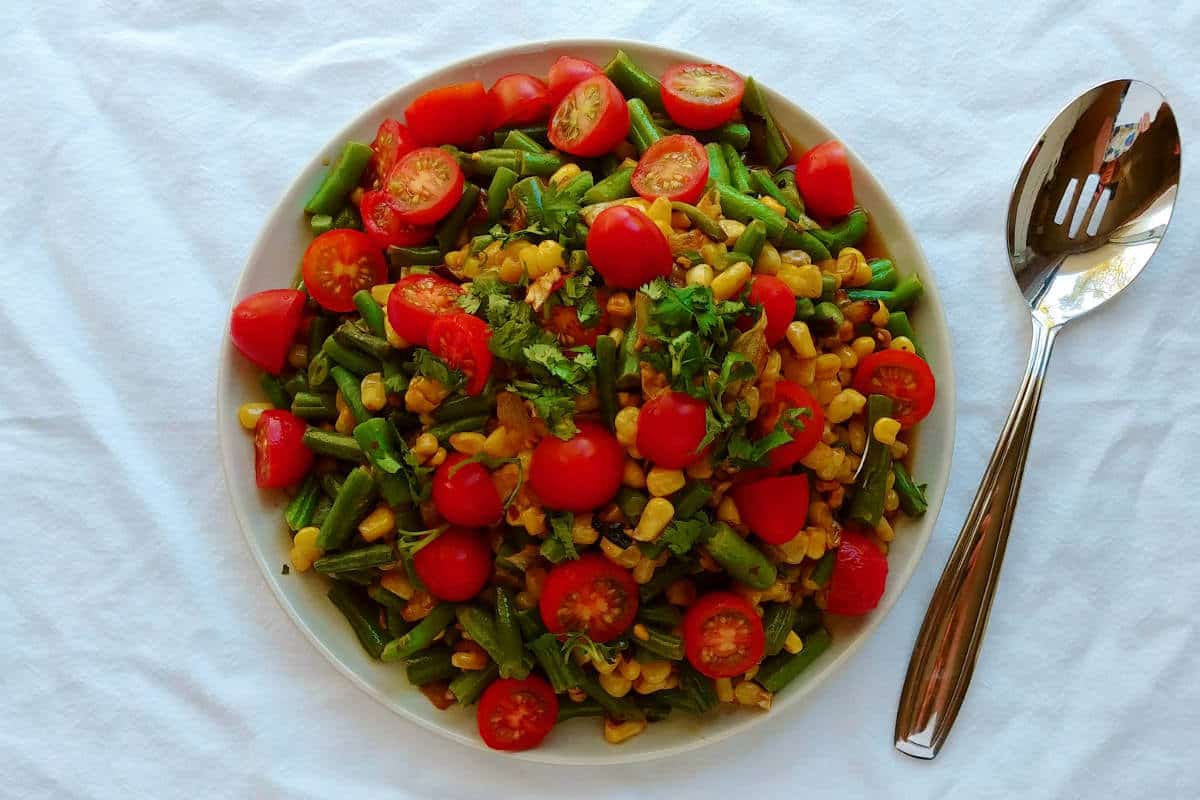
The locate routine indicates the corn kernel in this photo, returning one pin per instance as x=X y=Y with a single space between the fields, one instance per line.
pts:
x=582 y=530
x=713 y=253
x=470 y=656
x=249 y=413
x=795 y=258
x=628 y=557
x=656 y=671
x=768 y=261
x=749 y=693
x=899 y=450
x=800 y=338
x=626 y=425
x=732 y=228
x=816 y=546
x=800 y=370
x=498 y=444
x=297 y=356
x=700 y=470
x=617 y=732
x=534 y=521
x=847 y=267
x=660 y=213
x=773 y=204
x=885 y=430
x=438 y=457
x=804 y=280
x=856 y=433
x=824 y=460
x=633 y=475
x=777 y=592
x=863 y=346
x=615 y=684
x=345 y=421
x=467 y=442
x=731 y=281
x=619 y=305
x=828 y=365
x=630 y=668
x=564 y=174
x=793 y=643
x=602 y=666
x=655 y=516
x=374 y=393
x=304 y=548
x=884 y=530
x=699 y=275
x=727 y=512
x=641 y=632
x=891 y=501
x=644 y=571
x=394 y=339
x=681 y=593
x=794 y=549
x=424 y=395
x=397 y=582
x=661 y=482
x=724 y=687
x=902 y=343
x=380 y=292
x=882 y=317
x=826 y=389
x=379 y=524
x=845 y=405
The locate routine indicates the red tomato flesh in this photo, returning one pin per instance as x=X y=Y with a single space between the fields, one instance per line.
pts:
x=464 y=493
x=263 y=326
x=823 y=177
x=461 y=340
x=591 y=119
x=859 y=576
x=280 y=456
x=674 y=167
x=425 y=185
x=579 y=474
x=774 y=508
x=456 y=114
x=456 y=565
x=339 y=263
x=570 y=332
x=516 y=714
x=670 y=429
x=381 y=222
x=722 y=635
x=804 y=436
x=392 y=141
x=902 y=376
x=627 y=248
x=701 y=96
x=416 y=301
x=568 y=71
x=592 y=595
x=778 y=302
x=518 y=99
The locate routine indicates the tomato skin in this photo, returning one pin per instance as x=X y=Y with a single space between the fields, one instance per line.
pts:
x=627 y=248
x=905 y=377
x=392 y=141
x=416 y=301
x=775 y=508
x=456 y=565
x=280 y=456
x=425 y=185
x=674 y=167
x=701 y=96
x=518 y=99
x=568 y=71
x=381 y=222
x=516 y=714
x=859 y=576
x=466 y=495
x=579 y=474
x=570 y=332
x=706 y=619
x=591 y=119
x=591 y=594
x=455 y=114
x=778 y=302
x=263 y=326
x=461 y=340
x=791 y=395
x=337 y=264
x=823 y=177
x=670 y=429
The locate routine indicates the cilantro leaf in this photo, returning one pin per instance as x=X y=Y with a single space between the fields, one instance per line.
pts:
x=573 y=373
x=554 y=406
x=413 y=474
x=681 y=534
x=578 y=292
x=744 y=453
x=560 y=545
x=552 y=212
x=432 y=367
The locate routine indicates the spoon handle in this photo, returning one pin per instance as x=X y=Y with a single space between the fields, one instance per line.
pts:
x=943 y=657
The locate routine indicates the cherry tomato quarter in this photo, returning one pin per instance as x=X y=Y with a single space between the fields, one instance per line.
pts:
x=701 y=96
x=280 y=456
x=566 y=72
x=337 y=264
x=464 y=494
x=902 y=376
x=592 y=595
x=382 y=223
x=518 y=99
x=263 y=326
x=591 y=119
x=674 y=167
x=823 y=177
x=804 y=436
x=416 y=301
x=778 y=303
x=456 y=114
x=424 y=185
x=461 y=340
x=627 y=248
x=723 y=635
x=392 y=141
x=516 y=714
x=859 y=576
x=774 y=508
x=579 y=474
x=670 y=429
x=456 y=565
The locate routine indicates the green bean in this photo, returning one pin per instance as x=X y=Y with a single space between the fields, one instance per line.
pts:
x=422 y=634
x=482 y=628
x=641 y=125
x=508 y=637
x=744 y=208
x=349 y=334
x=866 y=506
x=351 y=505
x=372 y=314
x=775 y=148
x=631 y=502
x=299 y=511
x=901 y=298
x=450 y=229
x=739 y=174
x=538 y=133
x=691 y=498
x=808 y=618
x=390 y=601
x=826 y=317
x=563 y=673
x=761 y=182
x=503 y=180
x=702 y=222
x=883 y=275
x=324 y=504
x=353 y=360
x=378 y=442
x=606 y=378
x=696 y=693
x=466 y=406
x=394 y=490
x=331 y=483
x=666 y=616
x=341 y=179
x=899 y=325
x=468 y=686
x=445 y=430
x=320 y=223
x=829 y=287
x=361 y=615
x=664 y=576
x=319 y=328
x=358 y=577
x=529 y=620
x=751 y=240
x=395 y=381
x=633 y=81
x=348 y=217
x=777 y=621
x=375 y=555
x=313 y=406
x=486 y=162
x=823 y=571
x=348 y=384
x=517 y=139
x=615 y=187
x=337 y=445
x=743 y=561
x=780 y=670
x=734 y=133
x=273 y=388
x=785 y=179
x=795 y=238
x=718 y=168
x=425 y=255
x=587 y=708
x=804 y=309
x=912 y=497
x=620 y=709
x=312 y=378
x=432 y=665
x=629 y=362
x=577 y=187
x=846 y=233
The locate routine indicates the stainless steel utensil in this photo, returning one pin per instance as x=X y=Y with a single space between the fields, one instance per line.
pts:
x=1088 y=211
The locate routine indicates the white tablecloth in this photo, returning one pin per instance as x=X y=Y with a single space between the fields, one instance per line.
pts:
x=143 y=656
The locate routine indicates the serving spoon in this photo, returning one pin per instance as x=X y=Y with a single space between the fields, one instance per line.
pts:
x=1088 y=210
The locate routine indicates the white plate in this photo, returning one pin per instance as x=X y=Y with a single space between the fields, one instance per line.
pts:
x=273 y=263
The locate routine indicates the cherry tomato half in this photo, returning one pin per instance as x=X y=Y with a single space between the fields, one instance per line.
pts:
x=804 y=437
x=456 y=565
x=392 y=141
x=591 y=119
x=670 y=429
x=592 y=595
x=823 y=177
x=516 y=714
x=461 y=340
x=859 y=576
x=263 y=325
x=464 y=493
x=416 y=301
x=566 y=72
x=674 y=167
x=518 y=99
x=774 y=508
x=381 y=221
x=902 y=376
x=579 y=474
x=701 y=96
x=425 y=185
x=280 y=456
x=337 y=264
x=627 y=248
x=778 y=302
x=722 y=635
x=570 y=332
x=456 y=114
